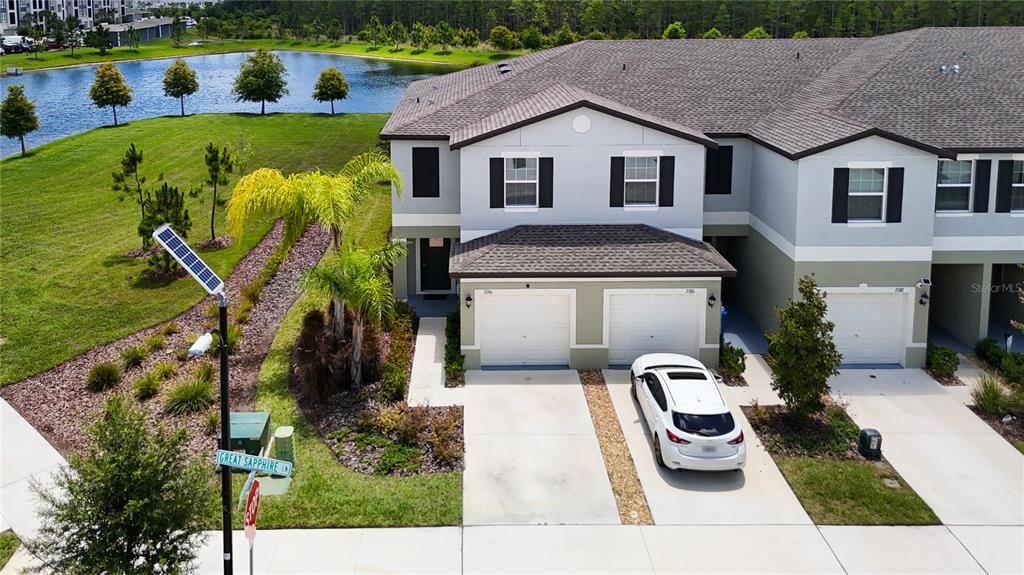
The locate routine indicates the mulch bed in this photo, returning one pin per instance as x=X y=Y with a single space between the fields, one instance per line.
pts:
x=339 y=417
x=57 y=404
x=142 y=253
x=733 y=380
x=946 y=380
x=814 y=436
x=454 y=379
x=629 y=493
x=337 y=420
x=217 y=243
x=1012 y=430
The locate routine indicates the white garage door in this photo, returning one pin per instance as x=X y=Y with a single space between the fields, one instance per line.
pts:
x=652 y=322
x=517 y=327
x=870 y=327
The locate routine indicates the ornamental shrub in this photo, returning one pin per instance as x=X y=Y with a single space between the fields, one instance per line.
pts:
x=133 y=356
x=942 y=361
x=103 y=375
x=731 y=359
x=190 y=396
x=146 y=386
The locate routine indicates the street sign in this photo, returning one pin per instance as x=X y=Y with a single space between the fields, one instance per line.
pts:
x=254 y=463
x=251 y=508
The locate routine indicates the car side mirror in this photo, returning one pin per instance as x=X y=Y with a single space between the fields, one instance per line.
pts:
x=718 y=379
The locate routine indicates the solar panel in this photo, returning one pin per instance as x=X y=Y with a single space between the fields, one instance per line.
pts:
x=166 y=237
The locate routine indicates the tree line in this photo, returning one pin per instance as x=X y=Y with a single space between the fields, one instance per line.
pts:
x=335 y=19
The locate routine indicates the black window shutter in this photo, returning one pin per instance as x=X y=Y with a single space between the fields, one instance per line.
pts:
x=840 y=195
x=617 y=181
x=426 y=174
x=982 y=178
x=1004 y=183
x=894 y=201
x=666 y=180
x=497 y=182
x=547 y=185
x=718 y=171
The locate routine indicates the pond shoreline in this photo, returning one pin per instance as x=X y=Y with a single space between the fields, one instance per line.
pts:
x=239 y=50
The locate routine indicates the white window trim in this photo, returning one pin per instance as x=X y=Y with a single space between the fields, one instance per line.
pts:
x=652 y=206
x=1012 y=186
x=885 y=197
x=535 y=182
x=970 y=188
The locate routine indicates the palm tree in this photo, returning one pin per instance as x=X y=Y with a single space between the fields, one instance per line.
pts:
x=321 y=198
x=361 y=278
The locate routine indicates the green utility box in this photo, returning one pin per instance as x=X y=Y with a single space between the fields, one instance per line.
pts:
x=250 y=431
x=283 y=448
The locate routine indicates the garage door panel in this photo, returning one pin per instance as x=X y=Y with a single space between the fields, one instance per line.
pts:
x=524 y=329
x=870 y=327
x=640 y=323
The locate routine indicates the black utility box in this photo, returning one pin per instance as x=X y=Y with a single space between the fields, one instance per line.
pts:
x=870 y=444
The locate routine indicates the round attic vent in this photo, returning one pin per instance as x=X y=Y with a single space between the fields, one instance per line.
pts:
x=581 y=124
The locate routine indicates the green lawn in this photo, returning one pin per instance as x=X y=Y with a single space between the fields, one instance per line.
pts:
x=9 y=543
x=164 y=48
x=849 y=492
x=65 y=286
x=323 y=493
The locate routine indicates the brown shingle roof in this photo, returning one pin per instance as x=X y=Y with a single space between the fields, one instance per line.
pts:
x=601 y=250
x=838 y=88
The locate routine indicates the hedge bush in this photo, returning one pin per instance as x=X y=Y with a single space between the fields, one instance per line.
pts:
x=731 y=359
x=395 y=373
x=454 y=361
x=103 y=375
x=1010 y=364
x=942 y=361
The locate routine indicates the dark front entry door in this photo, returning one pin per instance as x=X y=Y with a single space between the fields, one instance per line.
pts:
x=434 y=266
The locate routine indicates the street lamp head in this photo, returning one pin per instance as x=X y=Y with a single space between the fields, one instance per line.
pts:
x=202 y=345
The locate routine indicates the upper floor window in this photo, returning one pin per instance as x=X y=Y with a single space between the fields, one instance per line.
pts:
x=718 y=171
x=866 y=202
x=521 y=182
x=641 y=181
x=1017 y=187
x=426 y=174
x=953 y=190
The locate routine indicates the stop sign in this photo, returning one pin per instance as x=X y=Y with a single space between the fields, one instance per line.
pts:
x=252 y=506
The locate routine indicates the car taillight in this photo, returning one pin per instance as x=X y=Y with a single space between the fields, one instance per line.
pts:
x=738 y=440
x=675 y=438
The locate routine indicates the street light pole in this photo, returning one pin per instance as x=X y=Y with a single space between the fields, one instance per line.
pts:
x=225 y=432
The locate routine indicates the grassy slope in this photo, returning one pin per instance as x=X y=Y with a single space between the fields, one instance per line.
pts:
x=64 y=285
x=165 y=49
x=323 y=493
x=837 y=492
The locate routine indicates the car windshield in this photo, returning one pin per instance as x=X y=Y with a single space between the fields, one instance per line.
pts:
x=704 y=425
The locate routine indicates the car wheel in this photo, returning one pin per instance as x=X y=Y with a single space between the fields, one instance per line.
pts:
x=657 y=453
x=632 y=390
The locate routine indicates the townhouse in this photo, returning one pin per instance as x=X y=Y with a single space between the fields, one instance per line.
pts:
x=592 y=202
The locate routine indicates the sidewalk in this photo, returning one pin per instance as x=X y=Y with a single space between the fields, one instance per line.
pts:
x=426 y=383
x=24 y=454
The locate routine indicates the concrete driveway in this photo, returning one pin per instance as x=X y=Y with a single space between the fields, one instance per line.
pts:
x=966 y=472
x=532 y=455
x=757 y=495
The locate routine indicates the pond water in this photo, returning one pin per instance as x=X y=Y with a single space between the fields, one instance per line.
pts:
x=64 y=108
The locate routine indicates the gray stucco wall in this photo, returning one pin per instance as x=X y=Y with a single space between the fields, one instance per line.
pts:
x=581 y=175
x=768 y=278
x=959 y=300
x=590 y=316
x=773 y=190
x=989 y=223
x=814 y=213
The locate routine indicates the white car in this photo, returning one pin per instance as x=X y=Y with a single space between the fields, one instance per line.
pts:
x=690 y=423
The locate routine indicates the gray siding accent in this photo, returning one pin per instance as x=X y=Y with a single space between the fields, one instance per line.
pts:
x=773 y=193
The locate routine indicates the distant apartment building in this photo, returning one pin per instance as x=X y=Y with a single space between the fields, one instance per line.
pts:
x=89 y=12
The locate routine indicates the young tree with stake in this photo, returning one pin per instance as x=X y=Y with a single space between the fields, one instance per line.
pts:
x=330 y=86
x=18 y=115
x=218 y=166
x=180 y=81
x=110 y=89
x=128 y=182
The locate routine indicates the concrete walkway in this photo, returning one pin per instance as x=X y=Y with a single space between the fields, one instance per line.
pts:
x=426 y=383
x=24 y=454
